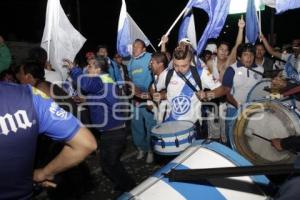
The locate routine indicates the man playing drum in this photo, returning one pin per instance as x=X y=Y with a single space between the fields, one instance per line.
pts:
x=184 y=99
x=238 y=80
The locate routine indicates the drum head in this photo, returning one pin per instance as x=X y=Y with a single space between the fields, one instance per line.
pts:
x=172 y=127
x=259 y=91
x=269 y=119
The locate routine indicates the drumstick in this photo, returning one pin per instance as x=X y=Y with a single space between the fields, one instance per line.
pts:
x=250 y=132
x=261 y=137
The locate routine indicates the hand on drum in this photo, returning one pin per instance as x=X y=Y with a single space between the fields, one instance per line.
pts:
x=278 y=83
x=276 y=143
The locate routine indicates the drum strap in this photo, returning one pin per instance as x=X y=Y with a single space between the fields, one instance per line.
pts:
x=195 y=75
x=255 y=71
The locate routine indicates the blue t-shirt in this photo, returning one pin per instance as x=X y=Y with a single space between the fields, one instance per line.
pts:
x=102 y=99
x=26 y=112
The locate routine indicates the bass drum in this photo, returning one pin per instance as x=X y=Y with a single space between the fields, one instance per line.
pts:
x=262 y=90
x=269 y=119
x=199 y=156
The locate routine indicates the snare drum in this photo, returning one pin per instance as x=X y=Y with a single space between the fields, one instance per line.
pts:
x=173 y=137
x=258 y=91
x=200 y=156
x=267 y=118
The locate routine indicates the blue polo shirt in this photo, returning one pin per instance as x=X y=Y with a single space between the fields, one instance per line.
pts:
x=26 y=112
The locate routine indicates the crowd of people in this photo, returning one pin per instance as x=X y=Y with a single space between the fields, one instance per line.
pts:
x=108 y=96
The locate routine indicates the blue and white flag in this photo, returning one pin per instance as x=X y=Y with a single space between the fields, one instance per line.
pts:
x=187 y=28
x=128 y=32
x=252 y=27
x=282 y=5
x=217 y=11
x=60 y=39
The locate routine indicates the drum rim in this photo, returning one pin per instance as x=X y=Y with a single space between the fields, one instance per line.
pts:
x=243 y=148
x=179 y=133
x=250 y=92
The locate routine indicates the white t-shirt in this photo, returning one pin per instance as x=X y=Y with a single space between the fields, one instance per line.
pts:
x=243 y=81
x=184 y=103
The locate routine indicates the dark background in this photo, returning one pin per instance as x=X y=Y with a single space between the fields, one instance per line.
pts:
x=23 y=20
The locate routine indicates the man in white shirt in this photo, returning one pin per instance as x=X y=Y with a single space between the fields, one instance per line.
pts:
x=157 y=100
x=238 y=80
x=184 y=101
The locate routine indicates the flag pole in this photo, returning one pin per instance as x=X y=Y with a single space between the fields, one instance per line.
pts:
x=153 y=47
x=174 y=23
x=259 y=15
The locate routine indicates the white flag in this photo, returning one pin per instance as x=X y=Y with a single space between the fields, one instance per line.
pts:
x=187 y=28
x=282 y=5
x=60 y=39
x=128 y=32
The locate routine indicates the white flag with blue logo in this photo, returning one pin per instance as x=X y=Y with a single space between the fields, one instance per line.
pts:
x=128 y=32
x=187 y=28
x=282 y=5
x=60 y=39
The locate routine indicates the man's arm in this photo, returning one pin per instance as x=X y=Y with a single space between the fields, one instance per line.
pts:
x=60 y=125
x=89 y=84
x=239 y=39
x=164 y=41
x=269 y=48
x=227 y=83
x=209 y=95
x=230 y=99
x=76 y=150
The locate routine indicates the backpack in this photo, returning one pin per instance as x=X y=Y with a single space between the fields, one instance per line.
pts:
x=194 y=72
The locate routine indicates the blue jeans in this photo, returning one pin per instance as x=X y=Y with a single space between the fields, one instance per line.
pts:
x=231 y=114
x=141 y=125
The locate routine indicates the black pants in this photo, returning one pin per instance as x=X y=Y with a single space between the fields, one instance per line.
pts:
x=112 y=145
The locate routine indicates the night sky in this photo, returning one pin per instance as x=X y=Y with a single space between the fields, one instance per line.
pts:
x=23 y=20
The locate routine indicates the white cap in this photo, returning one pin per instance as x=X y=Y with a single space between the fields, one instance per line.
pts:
x=211 y=47
x=185 y=40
